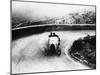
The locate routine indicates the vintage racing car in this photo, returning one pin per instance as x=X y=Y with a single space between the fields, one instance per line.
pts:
x=53 y=45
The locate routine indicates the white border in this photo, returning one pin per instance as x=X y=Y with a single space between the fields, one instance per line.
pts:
x=5 y=37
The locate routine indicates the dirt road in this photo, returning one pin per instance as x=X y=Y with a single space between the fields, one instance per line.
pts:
x=27 y=53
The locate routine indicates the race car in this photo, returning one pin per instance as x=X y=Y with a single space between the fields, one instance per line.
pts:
x=53 y=45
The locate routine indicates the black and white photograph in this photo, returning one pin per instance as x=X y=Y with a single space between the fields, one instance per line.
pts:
x=52 y=37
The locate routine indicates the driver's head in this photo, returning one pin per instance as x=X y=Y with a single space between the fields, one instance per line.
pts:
x=54 y=34
x=51 y=33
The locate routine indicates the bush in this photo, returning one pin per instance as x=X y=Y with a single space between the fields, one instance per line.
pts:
x=85 y=51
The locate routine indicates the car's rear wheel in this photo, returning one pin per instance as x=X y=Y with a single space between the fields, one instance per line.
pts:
x=59 y=53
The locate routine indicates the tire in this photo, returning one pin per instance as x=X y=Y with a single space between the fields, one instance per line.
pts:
x=59 y=52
